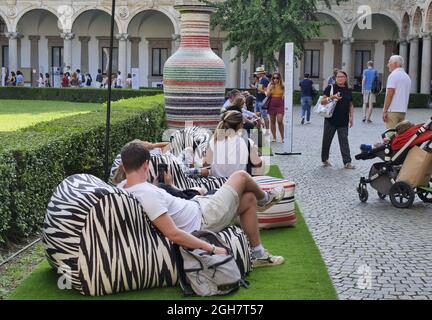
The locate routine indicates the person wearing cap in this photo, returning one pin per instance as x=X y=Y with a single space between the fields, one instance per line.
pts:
x=262 y=85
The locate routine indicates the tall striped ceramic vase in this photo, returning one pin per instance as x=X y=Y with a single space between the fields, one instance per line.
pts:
x=194 y=77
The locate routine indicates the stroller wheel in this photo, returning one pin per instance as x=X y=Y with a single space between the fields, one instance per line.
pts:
x=363 y=193
x=402 y=195
x=382 y=196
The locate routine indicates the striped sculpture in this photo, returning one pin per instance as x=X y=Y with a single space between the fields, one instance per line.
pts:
x=194 y=77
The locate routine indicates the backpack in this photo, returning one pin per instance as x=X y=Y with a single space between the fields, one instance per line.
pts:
x=376 y=85
x=208 y=274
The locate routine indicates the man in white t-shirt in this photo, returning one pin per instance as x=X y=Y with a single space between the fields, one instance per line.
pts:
x=398 y=93
x=177 y=218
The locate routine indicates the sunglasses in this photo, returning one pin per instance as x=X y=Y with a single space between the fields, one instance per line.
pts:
x=276 y=78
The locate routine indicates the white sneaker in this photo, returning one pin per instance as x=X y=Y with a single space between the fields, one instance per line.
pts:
x=275 y=196
x=267 y=260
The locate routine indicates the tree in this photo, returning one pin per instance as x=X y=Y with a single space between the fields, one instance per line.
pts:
x=262 y=27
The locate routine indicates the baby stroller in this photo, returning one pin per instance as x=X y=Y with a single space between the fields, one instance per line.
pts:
x=383 y=176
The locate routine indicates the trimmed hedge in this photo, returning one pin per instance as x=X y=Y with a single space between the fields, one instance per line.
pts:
x=33 y=161
x=91 y=95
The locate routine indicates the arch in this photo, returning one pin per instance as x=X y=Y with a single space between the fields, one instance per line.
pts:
x=4 y=20
x=428 y=18
x=342 y=25
x=164 y=11
x=25 y=12
x=417 y=21
x=77 y=14
x=384 y=13
x=406 y=26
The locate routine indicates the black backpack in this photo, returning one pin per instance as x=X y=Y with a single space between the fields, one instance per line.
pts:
x=376 y=85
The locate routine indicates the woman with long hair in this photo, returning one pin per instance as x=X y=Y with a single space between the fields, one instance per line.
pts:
x=276 y=108
x=341 y=120
x=228 y=149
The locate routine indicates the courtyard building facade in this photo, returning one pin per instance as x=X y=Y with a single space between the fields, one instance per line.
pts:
x=39 y=35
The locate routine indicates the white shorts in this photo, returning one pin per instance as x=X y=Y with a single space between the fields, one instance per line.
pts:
x=218 y=210
x=369 y=97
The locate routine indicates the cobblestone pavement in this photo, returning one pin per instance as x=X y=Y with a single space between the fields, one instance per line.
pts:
x=372 y=250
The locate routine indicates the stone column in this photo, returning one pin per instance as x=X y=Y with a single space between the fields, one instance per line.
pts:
x=426 y=65
x=84 y=54
x=413 y=63
x=403 y=51
x=234 y=68
x=346 y=55
x=67 y=48
x=122 y=54
x=34 y=58
x=135 y=51
x=13 y=50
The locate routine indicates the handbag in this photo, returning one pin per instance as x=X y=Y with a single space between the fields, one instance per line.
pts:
x=326 y=110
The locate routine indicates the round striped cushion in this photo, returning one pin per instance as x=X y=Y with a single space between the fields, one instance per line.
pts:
x=283 y=213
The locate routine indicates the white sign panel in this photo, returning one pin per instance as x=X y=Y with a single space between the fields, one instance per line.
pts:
x=135 y=79
x=289 y=90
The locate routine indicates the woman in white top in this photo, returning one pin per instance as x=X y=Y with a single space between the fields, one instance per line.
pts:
x=228 y=149
x=41 y=81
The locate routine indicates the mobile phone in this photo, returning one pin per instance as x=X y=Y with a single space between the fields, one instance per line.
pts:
x=162 y=168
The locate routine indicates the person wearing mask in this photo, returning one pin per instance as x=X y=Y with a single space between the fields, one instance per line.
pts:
x=398 y=93
x=307 y=94
x=369 y=97
x=341 y=120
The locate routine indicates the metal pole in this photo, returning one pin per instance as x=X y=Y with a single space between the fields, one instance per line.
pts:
x=108 y=116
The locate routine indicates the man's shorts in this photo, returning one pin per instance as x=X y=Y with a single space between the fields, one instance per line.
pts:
x=258 y=108
x=368 y=97
x=218 y=210
x=393 y=118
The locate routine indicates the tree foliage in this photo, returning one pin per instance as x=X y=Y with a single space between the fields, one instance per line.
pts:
x=262 y=27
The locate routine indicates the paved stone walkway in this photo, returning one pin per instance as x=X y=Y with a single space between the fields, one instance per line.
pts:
x=372 y=250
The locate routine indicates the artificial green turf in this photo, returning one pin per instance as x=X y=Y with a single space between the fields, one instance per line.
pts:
x=302 y=276
x=17 y=114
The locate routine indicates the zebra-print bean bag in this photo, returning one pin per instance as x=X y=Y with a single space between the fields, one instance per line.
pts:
x=190 y=137
x=101 y=239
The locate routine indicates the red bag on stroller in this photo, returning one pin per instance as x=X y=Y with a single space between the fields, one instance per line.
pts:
x=402 y=139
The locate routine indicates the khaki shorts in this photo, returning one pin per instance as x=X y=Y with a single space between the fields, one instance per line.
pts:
x=393 y=118
x=218 y=210
x=368 y=97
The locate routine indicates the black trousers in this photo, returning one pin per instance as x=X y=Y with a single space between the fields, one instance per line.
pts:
x=329 y=132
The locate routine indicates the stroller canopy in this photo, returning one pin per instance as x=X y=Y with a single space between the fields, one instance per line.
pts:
x=401 y=140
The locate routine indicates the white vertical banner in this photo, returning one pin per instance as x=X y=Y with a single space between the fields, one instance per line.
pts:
x=289 y=90
x=56 y=79
x=3 y=76
x=135 y=79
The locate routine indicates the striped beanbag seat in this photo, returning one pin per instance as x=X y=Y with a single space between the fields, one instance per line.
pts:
x=283 y=213
x=101 y=240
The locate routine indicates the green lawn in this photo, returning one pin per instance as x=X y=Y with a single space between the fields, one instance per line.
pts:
x=17 y=114
x=303 y=276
